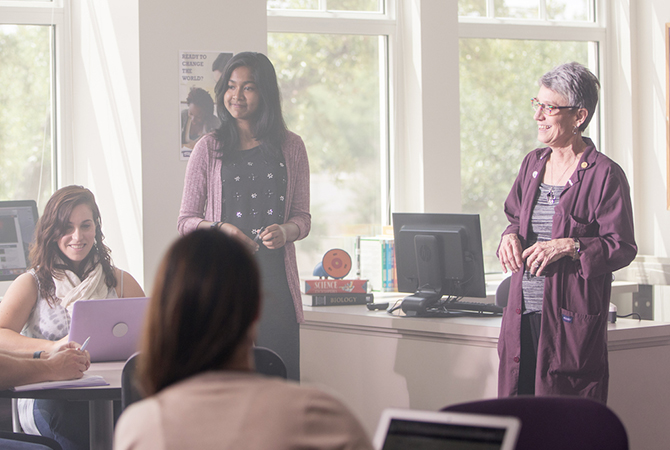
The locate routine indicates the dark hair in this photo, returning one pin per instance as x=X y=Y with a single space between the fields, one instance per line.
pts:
x=577 y=84
x=221 y=61
x=269 y=126
x=206 y=297
x=201 y=98
x=45 y=256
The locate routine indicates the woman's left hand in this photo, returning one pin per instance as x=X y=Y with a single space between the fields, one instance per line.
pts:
x=274 y=236
x=541 y=254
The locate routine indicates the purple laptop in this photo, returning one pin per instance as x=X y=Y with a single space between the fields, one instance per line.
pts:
x=113 y=324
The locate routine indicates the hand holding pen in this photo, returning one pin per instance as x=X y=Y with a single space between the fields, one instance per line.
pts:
x=83 y=346
x=69 y=361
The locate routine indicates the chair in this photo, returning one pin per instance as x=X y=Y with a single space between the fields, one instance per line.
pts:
x=130 y=392
x=20 y=441
x=269 y=363
x=556 y=423
x=502 y=293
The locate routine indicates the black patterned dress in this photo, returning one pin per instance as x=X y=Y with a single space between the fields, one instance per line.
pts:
x=254 y=191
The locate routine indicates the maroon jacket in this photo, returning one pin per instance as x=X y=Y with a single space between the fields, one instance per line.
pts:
x=595 y=207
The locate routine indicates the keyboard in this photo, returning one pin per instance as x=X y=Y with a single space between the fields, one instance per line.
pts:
x=469 y=307
x=474 y=306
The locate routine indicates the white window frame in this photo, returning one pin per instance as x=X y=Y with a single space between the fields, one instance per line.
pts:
x=365 y=24
x=549 y=30
x=57 y=14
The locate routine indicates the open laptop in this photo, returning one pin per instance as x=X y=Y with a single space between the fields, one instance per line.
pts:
x=432 y=430
x=114 y=326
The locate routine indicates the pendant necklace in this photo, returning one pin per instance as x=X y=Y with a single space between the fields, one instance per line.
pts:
x=551 y=197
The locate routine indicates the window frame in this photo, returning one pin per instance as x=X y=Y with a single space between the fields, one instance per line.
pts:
x=364 y=24
x=594 y=33
x=549 y=30
x=55 y=14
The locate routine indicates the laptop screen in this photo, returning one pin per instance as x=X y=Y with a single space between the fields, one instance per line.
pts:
x=435 y=430
x=403 y=434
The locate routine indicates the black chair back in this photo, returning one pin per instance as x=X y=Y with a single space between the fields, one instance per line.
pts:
x=9 y=439
x=130 y=392
x=502 y=293
x=269 y=363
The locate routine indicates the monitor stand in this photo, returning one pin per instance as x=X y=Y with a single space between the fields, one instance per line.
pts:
x=418 y=303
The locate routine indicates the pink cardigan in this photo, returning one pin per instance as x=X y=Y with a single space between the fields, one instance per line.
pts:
x=201 y=199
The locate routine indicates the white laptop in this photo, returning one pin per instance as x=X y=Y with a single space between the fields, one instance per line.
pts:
x=114 y=326
x=432 y=430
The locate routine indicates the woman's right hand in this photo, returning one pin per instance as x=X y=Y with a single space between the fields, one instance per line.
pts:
x=236 y=233
x=510 y=253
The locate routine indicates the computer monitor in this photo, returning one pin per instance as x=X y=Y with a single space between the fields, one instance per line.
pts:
x=438 y=255
x=17 y=228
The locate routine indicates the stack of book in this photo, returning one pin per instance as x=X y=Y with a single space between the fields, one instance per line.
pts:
x=330 y=292
x=377 y=262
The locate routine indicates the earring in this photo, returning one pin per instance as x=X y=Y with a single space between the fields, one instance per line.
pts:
x=575 y=130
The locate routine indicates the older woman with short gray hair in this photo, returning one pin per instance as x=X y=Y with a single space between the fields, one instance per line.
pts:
x=571 y=226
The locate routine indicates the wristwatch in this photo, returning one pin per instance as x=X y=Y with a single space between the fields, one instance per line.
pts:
x=578 y=249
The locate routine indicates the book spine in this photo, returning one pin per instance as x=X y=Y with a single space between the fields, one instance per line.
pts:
x=336 y=286
x=341 y=299
x=394 y=272
x=389 y=265
x=371 y=263
x=385 y=265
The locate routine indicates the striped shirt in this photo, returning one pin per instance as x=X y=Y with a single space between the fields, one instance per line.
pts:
x=540 y=231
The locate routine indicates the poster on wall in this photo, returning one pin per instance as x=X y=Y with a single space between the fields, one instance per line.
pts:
x=198 y=73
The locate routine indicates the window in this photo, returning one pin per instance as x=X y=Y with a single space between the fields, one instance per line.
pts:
x=518 y=41
x=333 y=75
x=558 y=10
x=295 y=6
x=28 y=93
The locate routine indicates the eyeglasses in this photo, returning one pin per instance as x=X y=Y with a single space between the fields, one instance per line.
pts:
x=549 y=110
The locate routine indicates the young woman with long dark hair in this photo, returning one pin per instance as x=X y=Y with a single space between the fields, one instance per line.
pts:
x=250 y=179
x=196 y=365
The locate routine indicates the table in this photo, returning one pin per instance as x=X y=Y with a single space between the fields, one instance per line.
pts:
x=100 y=401
x=374 y=361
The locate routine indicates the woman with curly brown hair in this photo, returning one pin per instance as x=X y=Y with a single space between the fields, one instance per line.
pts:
x=69 y=263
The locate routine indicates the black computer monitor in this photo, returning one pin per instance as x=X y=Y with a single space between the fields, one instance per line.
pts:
x=17 y=228
x=438 y=255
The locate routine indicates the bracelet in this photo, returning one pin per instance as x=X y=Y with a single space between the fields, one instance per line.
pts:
x=37 y=354
x=216 y=225
x=578 y=249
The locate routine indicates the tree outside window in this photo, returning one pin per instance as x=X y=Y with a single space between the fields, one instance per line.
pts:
x=26 y=107
x=330 y=88
x=498 y=78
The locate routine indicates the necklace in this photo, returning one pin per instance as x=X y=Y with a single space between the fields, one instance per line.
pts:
x=551 y=197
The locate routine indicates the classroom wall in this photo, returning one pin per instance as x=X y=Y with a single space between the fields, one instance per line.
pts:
x=125 y=119
x=125 y=122
x=649 y=93
x=164 y=31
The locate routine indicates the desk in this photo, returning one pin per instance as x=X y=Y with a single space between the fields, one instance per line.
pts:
x=374 y=361
x=100 y=401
